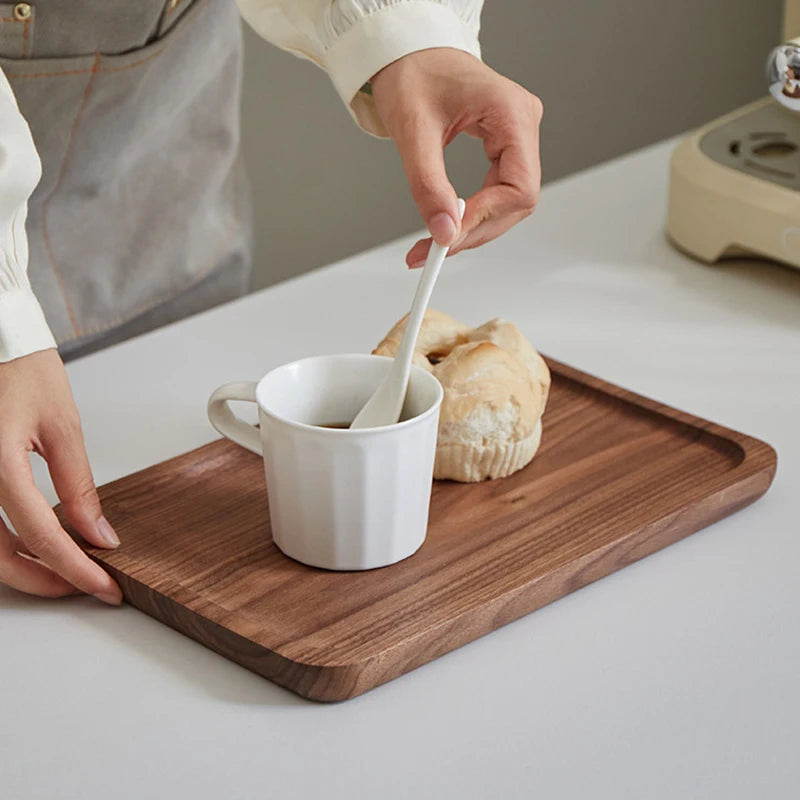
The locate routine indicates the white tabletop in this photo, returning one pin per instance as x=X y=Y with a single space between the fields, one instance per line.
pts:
x=673 y=678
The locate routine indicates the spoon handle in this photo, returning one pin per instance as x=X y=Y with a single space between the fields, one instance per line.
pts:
x=386 y=403
x=430 y=272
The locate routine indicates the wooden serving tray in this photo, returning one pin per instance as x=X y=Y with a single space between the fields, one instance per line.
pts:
x=617 y=478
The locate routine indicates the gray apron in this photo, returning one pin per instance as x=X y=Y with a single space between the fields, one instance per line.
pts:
x=141 y=216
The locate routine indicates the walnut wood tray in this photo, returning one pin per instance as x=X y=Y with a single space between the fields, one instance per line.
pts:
x=617 y=478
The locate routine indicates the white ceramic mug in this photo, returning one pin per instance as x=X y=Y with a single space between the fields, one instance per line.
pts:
x=338 y=498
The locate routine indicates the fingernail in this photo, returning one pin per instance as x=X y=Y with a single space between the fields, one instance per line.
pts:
x=106 y=532
x=442 y=228
x=111 y=598
x=458 y=241
x=418 y=264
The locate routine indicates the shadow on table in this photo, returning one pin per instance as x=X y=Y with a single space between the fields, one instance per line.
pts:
x=167 y=650
x=764 y=289
x=760 y=288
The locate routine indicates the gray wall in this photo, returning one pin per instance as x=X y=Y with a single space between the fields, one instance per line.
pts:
x=613 y=75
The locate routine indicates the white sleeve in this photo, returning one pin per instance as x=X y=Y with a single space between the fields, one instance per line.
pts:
x=23 y=328
x=354 y=39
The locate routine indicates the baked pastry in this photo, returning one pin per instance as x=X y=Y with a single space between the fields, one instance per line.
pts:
x=495 y=390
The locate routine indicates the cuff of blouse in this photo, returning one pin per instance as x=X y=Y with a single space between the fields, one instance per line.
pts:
x=384 y=36
x=23 y=328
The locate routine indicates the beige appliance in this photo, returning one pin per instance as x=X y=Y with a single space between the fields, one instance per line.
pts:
x=735 y=183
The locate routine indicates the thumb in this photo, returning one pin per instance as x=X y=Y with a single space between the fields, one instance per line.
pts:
x=74 y=484
x=422 y=152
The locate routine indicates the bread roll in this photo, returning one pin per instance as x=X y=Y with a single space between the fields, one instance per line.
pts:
x=495 y=390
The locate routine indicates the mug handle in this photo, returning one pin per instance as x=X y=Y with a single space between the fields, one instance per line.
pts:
x=226 y=422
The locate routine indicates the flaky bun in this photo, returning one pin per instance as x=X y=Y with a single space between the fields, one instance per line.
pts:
x=495 y=390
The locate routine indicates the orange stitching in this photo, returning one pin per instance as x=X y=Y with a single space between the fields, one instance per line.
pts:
x=193 y=8
x=48 y=74
x=173 y=294
x=84 y=71
x=170 y=294
x=45 y=203
x=132 y=64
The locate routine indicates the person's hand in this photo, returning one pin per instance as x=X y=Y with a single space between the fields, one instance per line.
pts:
x=38 y=413
x=425 y=99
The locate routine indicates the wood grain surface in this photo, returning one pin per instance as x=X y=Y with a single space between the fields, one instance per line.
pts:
x=617 y=478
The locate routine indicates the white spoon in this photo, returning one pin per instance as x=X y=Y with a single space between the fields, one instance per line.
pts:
x=385 y=405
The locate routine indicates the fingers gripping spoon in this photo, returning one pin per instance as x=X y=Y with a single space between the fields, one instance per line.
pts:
x=385 y=405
